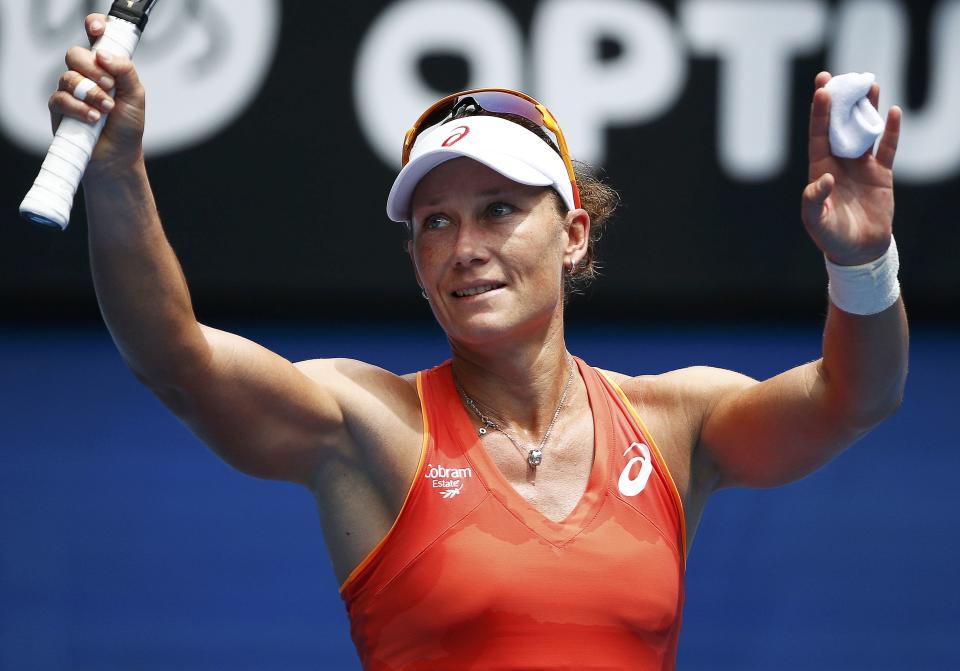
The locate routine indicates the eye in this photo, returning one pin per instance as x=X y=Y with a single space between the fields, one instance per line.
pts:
x=435 y=221
x=500 y=209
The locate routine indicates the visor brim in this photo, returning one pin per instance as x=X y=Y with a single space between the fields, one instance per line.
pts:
x=401 y=193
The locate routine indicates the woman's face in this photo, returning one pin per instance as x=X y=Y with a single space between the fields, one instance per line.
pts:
x=490 y=252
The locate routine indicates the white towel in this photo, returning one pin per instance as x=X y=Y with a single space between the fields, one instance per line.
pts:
x=854 y=123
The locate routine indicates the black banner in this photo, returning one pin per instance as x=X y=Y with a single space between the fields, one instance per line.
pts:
x=274 y=133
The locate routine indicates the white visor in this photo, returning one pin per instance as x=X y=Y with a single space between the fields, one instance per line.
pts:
x=501 y=145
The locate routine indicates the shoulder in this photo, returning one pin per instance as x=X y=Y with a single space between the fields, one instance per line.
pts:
x=674 y=405
x=381 y=420
x=359 y=373
x=367 y=394
x=696 y=388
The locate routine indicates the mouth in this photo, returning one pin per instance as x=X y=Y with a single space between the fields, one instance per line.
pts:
x=477 y=290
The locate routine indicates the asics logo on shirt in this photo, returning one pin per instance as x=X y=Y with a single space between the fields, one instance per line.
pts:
x=631 y=486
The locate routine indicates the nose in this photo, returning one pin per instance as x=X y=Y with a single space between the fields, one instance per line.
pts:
x=469 y=248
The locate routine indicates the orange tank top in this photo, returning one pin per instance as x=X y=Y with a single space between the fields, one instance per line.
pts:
x=473 y=576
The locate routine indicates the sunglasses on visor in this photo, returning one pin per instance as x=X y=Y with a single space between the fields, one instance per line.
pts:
x=493 y=101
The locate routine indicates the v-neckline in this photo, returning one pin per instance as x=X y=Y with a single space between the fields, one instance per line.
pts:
x=587 y=506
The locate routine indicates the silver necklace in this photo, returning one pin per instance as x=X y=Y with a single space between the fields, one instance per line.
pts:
x=535 y=455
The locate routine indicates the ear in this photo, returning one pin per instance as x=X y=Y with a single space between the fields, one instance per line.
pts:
x=577 y=223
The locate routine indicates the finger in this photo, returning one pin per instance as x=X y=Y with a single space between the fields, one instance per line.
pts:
x=821 y=79
x=95 y=25
x=887 y=149
x=123 y=73
x=83 y=61
x=86 y=90
x=815 y=196
x=819 y=147
x=874 y=95
x=819 y=189
x=62 y=104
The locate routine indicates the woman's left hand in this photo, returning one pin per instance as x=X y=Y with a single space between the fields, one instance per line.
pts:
x=848 y=204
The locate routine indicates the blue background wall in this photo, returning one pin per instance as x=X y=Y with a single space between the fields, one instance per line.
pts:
x=124 y=544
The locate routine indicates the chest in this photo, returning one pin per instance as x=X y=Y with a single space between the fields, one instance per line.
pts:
x=478 y=551
x=475 y=565
x=618 y=570
x=555 y=486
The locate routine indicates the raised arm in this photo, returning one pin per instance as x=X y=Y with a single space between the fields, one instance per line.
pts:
x=260 y=412
x=771 y=432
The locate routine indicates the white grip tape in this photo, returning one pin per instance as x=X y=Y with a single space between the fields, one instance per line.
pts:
x=50 y=199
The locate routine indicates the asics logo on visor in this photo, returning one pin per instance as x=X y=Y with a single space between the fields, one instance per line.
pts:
x=459 y=133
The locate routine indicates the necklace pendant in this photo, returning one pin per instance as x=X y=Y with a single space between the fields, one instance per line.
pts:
x=534 y=457
x=482 y=431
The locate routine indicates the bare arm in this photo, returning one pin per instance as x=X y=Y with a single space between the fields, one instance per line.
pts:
x=775 y=431
x=260 y=412
x=769 y=433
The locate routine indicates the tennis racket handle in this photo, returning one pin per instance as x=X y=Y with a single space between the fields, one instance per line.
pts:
x=50 y=199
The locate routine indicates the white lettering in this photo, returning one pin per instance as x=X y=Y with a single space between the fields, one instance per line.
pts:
x=433 y=472
x=872 y=35
x=755 y=42
x=589 y=94
x=389 y=91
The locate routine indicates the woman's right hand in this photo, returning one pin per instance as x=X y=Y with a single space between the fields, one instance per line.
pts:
x=121 y=142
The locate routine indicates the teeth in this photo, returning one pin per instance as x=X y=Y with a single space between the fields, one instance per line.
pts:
x=474 y=291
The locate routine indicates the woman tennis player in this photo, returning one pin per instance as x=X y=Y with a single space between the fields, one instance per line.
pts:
x=513 y=507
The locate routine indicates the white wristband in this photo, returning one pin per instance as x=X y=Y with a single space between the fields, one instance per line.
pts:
x=866 y=289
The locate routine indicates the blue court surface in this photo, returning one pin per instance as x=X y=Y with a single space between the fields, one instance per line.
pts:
x=125 y=544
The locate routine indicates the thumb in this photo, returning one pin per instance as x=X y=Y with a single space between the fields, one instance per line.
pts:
x=815 y=197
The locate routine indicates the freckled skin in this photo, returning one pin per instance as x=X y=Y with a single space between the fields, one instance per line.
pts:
x=472 y=224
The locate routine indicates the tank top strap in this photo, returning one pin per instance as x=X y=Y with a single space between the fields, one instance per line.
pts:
x=601 y=407
x=638 y=462
x=444 y=489
x=443 y=413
